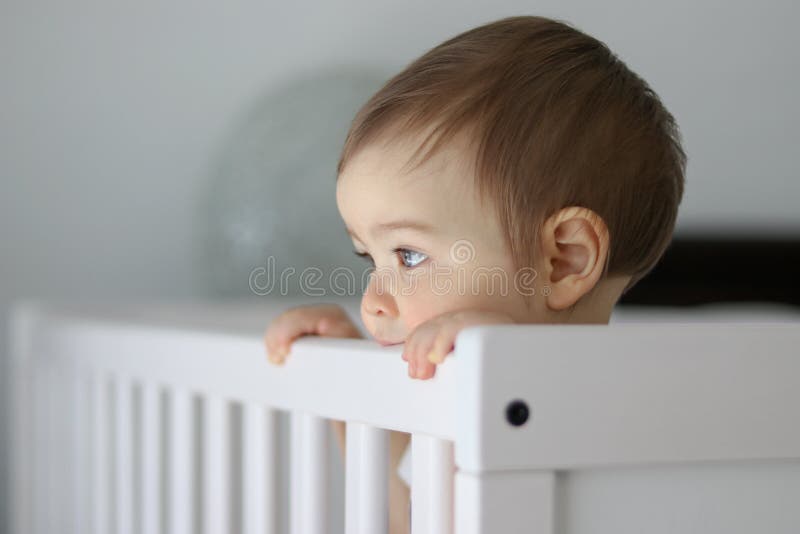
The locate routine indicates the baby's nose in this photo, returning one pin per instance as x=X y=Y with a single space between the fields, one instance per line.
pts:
x=379 y=302
x=380 y=307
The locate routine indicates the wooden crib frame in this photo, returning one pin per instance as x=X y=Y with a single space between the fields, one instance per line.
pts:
x=106 y=415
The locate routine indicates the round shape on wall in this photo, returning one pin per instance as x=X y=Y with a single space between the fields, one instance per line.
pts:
x=270 y=221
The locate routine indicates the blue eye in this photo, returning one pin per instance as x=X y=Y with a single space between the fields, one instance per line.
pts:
x=410 y=258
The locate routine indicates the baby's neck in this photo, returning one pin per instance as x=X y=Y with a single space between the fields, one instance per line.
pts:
x=587 y=315
x=595 y=307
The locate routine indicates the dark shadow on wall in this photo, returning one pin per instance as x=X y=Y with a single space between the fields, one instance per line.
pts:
x=711 y=269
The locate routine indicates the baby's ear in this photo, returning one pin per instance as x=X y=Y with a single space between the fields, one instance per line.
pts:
x=575 y=249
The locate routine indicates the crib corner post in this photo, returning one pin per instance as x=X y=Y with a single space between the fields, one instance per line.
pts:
x=509 y=502
x=493 y=493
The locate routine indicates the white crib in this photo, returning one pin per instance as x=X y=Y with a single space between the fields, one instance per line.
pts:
x=155 y=418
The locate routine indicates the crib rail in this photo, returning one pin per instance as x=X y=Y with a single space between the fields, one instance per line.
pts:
x=124 y=425
x=128 y=391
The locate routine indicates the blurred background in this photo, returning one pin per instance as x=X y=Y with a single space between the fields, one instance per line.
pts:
x=162 y=150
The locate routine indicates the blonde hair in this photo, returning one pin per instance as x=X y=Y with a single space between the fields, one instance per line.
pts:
x=556 y=119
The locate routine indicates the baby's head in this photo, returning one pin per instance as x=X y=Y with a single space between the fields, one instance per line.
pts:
x=517 y=167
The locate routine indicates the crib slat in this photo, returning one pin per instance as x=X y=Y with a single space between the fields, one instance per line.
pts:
x=38 y=447
x=123 y=457
x=55 y=449
x=47 y=452
x=42 y=441
x=180 y=463
x=150 y=488
x=52 y=460
x=366 y=479
x=309 y=475
x=66 y=420
x=36 y=436
x=216 y=506
x=80 y=459
x=65 y=417
x=100 y=456
x=432 y=478
x=259 y=474
x=24 y=419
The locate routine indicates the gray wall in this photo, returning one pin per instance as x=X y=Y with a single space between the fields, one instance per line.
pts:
x=110 y=115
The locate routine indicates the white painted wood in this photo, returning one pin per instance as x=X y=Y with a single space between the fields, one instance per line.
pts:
x=309 y=475
x=81 y=450
x=23 y=319
x=718 y=393
x=511 y=503
x=150 y=496
x=54 y=447
x=61 y=450
x=432 y=481
x=101 y=484
x=627 y=394
x=58 y=448
x=41 y=441
x=164 y=355
x=123 y=455
x=181 y=464
x=296 y=496
x=64 y=455
x=366 y=479
x=259 y=470
x=216 y=498
x=707 y=498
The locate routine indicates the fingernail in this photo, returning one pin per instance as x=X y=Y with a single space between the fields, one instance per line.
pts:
x=434 y=358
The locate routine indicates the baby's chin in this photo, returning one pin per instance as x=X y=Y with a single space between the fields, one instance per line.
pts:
x=385 y=334
x=387 y=341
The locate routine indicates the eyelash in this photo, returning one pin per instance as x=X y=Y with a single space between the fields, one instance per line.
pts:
x=366 y=256
x=399 y=251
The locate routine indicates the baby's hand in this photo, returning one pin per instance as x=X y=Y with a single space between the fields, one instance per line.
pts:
x=313 y=320
x=429 y=342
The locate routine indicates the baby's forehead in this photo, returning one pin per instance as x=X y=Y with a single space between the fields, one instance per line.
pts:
x=446 y=213
x=395 y=168
x=381 y=189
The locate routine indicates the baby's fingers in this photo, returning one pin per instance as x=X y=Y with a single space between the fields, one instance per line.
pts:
x=434 y=351
x=284 y=330
x=443 y=343
x=418 y=364
x=424 y=369
x=323 y=320
x=334 y=327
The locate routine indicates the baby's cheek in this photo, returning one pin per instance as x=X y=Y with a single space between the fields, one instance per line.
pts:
x=416 y=311
x=413 y=311
x=414 y=318
x=366 y=318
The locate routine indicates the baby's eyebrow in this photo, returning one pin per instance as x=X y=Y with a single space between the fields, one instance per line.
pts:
x=401 y=224
x=406 y=224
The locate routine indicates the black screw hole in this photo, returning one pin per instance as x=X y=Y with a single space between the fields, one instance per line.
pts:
x=517 y=412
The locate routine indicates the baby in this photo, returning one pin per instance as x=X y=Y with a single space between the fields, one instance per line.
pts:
x=517 y=173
